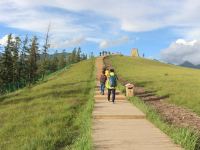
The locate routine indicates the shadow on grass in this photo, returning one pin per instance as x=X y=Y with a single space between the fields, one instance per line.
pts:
x=143 y=92
x=75 y=90
x=53 y=95
x=4 y=97
x=155 y=98
x=67 y=84
x=197 y=145
x=138 y=84
x=143 y=83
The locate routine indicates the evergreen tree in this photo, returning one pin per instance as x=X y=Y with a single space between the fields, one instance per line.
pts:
x=62 y=60
x=73 y=56
x=78 y=55
x=1 y=69
x=33 y=57
x=46 y=44
x=91 y=55
x=24 y=60
x=54 y=63
x=86 y=57
x=6 y=62
x=15 y=59
x=83 y=56
x=44 y=64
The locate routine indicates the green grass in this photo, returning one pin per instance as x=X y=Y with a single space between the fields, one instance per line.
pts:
x=51 y=115
x=181 y=84
x=149 y=74
x=185 y=137
x=182 y=136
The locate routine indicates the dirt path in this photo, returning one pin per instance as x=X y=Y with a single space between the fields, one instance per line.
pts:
x=121 y=126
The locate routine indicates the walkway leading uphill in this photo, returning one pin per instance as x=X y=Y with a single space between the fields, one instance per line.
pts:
x=121 y=126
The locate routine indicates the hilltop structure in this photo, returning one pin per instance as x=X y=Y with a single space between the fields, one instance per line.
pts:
x=134 y=52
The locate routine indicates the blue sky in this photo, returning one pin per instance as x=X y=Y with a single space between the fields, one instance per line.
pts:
x=165 y=30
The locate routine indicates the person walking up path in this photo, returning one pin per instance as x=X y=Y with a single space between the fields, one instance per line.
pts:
x=122 y=126
x=103 y=79
x=111 y=85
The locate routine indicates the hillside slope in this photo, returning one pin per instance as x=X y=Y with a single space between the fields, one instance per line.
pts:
x=49 y=115
x=181 y=84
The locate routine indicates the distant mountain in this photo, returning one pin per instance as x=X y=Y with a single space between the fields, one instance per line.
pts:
x=59 y=54
x=56 y=55
x=189 y=65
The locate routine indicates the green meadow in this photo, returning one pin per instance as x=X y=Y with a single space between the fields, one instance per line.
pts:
x=54 y=114
x=181 y=84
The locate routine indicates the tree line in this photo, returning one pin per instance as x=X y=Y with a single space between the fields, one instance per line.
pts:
x=24 y=61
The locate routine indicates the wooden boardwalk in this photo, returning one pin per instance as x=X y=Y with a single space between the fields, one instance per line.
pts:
x=122 y=126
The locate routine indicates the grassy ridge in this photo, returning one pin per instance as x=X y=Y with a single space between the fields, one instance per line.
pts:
x=149 y=73
x=187 y=138
x=49 y=115
x=181 y=84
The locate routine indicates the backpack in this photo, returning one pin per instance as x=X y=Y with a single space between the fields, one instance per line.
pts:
x=103 y=78
x=113 y=81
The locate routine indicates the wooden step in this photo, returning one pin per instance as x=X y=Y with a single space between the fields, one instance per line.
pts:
x=105 y=92
x=103 y=97
x=119 y=116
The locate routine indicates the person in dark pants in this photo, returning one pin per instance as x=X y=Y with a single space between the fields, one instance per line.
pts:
x=111 y=91
x=111 y=85
x=103 y=79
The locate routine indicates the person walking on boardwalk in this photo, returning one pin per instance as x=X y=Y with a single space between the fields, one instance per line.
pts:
x=111 y=85
x=107 y=72
x=103 y=79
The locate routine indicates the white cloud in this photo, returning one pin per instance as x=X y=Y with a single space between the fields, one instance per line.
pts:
x=186 y=43
x=181 y=51
x=68 y=43
x=4 y=40
x=93 y=39
x=126 y=15
x=110 y=43
x=143 y=15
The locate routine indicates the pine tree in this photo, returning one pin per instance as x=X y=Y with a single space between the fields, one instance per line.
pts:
x=44 y=64
x=24 y=70
x=46 y=44
x=78 y=55
x=33 y=57
x=83 y=56
x=1 y=69
x=6 y=62
x=73 y=56
x=54 y=63
x=91 y=55
x=15 y=59
x=62 y=60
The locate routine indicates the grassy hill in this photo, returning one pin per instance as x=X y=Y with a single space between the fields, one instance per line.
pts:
x=181 y=84
x=52 y=115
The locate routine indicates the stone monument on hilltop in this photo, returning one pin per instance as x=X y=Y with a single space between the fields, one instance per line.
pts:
x=134 y=52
